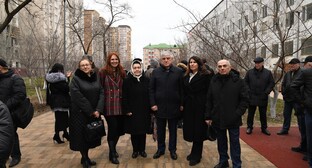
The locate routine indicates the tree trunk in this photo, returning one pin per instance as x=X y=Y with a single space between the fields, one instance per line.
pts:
x=273 y=101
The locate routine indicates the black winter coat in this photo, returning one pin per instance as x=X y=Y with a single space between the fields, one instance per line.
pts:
x=166 y=91
x=12 y=89
x=195 y=94
x=58 y=90
x=6 y=133
x=227 y=101
x=87 y=96
x=290 y=94
x=260 y=84
x=135 y=99
x=305 y=80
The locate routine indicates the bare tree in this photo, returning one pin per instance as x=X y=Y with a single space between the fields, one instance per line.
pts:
x=11 y=7
x=116 y=12
x=255 y=30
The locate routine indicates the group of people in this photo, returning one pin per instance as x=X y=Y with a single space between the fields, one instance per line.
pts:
x=127 y=100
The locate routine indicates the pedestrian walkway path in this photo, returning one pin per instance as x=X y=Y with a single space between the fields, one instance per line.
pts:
x=38 y=150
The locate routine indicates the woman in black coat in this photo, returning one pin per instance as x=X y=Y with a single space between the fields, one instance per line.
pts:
x=135 y=103
x=87 y=103
x=196 y=83
x=59 y=100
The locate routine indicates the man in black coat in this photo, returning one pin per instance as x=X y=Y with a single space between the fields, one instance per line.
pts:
x=305 y=79
x=12 y=93
x=288 y=93
x=260 y=82
x=6 y=134
x=227 y=101
x=165 y=93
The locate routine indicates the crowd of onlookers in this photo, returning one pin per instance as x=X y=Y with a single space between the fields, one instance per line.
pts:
x=189 y=95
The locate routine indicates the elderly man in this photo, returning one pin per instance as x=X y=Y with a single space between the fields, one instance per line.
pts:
x=288 y=95
x=305 y=79
x=227 y=101
x=166 y=101
x=12 y=93
x=260 y=82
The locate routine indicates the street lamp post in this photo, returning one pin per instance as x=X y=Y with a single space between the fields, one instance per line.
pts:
x=64 y=34
x=298 y=31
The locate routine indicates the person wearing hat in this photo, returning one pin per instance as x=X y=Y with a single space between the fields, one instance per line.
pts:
x=227 y=101
x=288 y=95
x=305 y=79
x=12 y=93
x=260 y=82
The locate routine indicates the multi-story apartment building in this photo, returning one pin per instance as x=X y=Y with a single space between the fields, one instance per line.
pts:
x=240 y=30
x=9 y=46
x=93 y=36
x=154 y=51
x=119 y=40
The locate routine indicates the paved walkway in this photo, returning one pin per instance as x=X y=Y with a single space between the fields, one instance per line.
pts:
x=38 y=150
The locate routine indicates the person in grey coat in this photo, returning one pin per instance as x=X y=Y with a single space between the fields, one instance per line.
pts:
x=166 y=98
x=87 y=103
x=6 y=134
x=260 y=82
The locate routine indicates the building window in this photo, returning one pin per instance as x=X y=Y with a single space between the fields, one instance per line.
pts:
x=240 y=23
x=289 y=45
x=246 y=20
x=276 y=6
x=290 y=18
x=290 y=2
x=263 y=52
x=254 y=16
x=246 y=34
x=275 y=50
x=275 y=23
x=307 y=12
x=306 y=46
x=254 y=29
x=264 y=11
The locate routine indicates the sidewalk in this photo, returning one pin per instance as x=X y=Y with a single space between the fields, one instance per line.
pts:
x=38 y=150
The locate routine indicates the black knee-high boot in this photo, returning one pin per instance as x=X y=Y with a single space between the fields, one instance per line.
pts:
x=112 y=152
x=84 y=159
x=115 y=143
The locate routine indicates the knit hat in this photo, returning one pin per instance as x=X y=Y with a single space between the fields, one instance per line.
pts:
x=3 y=63
x=57 y=67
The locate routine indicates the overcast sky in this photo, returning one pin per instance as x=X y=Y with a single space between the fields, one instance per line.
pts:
x=154 y=20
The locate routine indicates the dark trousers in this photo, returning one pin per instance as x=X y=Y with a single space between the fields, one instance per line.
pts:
x=197 y=150
x=235 y=149
x=302 y=130
x=161 y=134
x=16 y=151
x=115 y=127
x=308 y=122
x=61 y=121
x=288 y=107
x=251 y=115
x=138 y=142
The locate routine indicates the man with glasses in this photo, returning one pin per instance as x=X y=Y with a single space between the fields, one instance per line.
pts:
x=166 y=101
x=227 y=101
x=260 y=82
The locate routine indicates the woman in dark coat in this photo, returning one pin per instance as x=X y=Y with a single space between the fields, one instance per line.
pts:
x=87 y=100
x=135 y=103
x=112 y=76
x=196 y=83
x=59 y=100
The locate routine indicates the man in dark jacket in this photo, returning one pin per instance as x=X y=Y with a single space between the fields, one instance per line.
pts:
x=6 y=134
x=290 y=102
x=260 y=82
x=166 y=100
x=12 y=93
x=227 y=101
x=305 y=79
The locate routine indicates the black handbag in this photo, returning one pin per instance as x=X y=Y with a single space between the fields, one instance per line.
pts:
x=95 y=131
x=23 y=113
